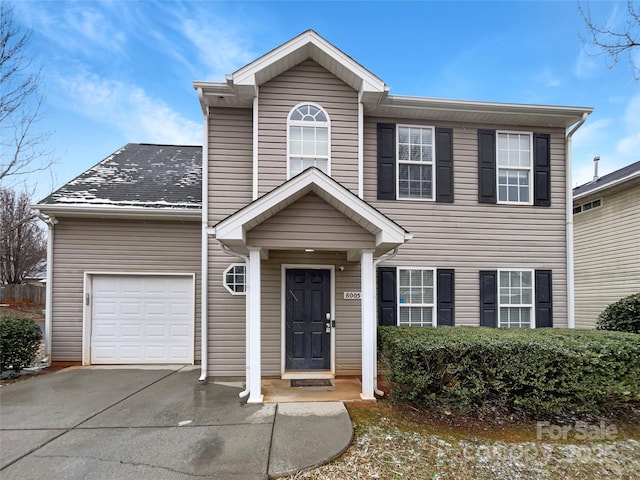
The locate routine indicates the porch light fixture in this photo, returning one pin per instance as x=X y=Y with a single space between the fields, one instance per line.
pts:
x=309 y=250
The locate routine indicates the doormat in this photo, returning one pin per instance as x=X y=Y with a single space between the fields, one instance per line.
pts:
x=311 y=383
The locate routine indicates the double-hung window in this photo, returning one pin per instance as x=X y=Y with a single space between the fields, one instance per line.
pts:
x=308 y=142
x=515 y=164
x=416 y=162
x=515 y=298
x=416 y=297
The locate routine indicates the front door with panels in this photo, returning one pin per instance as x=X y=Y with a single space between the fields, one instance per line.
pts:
x=308 y=319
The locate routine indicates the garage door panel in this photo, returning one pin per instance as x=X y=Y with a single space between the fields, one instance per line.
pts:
x=142 y=319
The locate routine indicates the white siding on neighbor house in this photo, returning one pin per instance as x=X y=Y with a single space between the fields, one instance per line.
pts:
x=607 y=251
x=307 y=82
x=114 y=246
x=470 y=236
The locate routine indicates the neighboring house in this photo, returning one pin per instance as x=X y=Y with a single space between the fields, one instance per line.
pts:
x=317 y=182
x=606 y=218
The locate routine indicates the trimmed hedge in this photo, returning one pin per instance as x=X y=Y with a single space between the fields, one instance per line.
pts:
x=19 y=343
x=546 y=371
x=622 y=316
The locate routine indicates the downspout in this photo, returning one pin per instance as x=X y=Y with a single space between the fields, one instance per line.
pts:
x=360 y=146
x=383 y=258
x=50 y=221
x=204 y=266
x=256 y=119
x=225 y=249
x=571 y=320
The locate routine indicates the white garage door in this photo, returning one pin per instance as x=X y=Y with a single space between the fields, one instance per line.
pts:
x=142 y=319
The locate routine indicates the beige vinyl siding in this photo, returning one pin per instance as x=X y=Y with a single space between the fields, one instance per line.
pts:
x=229 y=189
x=230 y=175
x=307 y=82
x=313 y=223
x=607 y=258
x=346 y=315
x=121 y=246
x=469 y=236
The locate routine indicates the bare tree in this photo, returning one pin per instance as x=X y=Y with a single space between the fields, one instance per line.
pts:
x=23 y=246
x=22 y=145
x=615 y=42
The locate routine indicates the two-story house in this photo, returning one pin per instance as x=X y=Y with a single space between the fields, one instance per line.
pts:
x=326 y=206
x=606 y=214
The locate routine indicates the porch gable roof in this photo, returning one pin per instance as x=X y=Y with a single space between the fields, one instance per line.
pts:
x=232 y=231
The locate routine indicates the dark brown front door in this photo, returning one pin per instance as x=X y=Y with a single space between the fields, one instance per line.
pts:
x=308 y=301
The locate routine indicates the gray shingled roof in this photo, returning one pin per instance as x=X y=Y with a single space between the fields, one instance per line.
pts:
x=609 y=179
x=140 y=175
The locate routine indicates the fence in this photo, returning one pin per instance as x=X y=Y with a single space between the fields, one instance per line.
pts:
x=23 y=294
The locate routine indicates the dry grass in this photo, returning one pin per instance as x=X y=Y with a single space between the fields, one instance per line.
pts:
x=392 y=443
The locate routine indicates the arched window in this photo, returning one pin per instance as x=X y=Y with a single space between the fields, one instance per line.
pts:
x=308 y=144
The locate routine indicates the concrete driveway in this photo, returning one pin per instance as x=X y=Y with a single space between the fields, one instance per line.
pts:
x=106 y=423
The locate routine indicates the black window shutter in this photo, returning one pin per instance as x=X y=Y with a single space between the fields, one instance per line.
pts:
x=487 y=166
x=488 y=298
x=387 y=304
x=444 y=165
x=386 y=161
x=446 y=296
x=542 y=169
x=544 y=296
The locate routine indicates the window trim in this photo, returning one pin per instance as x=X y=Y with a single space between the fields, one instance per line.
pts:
x=303 y=123
x=530 y=169
x=434 y=305
x=224 y=278
x=433 y=163
x=532 y=306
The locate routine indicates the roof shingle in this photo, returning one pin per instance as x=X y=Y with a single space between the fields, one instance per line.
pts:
x=140 y=175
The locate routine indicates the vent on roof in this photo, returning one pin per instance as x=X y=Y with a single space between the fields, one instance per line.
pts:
x=587 y=206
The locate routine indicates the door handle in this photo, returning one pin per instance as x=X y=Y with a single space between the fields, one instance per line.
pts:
x=327 y=327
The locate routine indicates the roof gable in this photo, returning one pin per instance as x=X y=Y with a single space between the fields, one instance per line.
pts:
x=308 y=45
x=232 y=231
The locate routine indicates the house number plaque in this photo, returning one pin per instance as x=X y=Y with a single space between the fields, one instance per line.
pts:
x=352 y=295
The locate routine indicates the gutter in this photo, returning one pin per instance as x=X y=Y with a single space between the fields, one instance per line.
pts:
x=571 y=319
x=204 y=254
x=226 y=250
x=88 y=210
x=50 y=221
x=383 y=258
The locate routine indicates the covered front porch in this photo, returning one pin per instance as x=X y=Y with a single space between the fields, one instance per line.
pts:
x=311 y=248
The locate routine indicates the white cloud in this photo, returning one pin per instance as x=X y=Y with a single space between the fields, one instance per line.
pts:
x=221 y=47
x=547 y=78
x=130 y=110
x=586 y=64
x=81 y=27
x=630 y=145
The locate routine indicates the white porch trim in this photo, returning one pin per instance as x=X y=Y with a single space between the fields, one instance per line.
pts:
x=367 y=282
x=253 y=335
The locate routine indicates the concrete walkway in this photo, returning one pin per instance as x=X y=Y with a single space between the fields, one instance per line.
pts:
x=106 y=423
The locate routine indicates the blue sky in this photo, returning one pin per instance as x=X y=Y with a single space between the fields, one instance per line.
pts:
x=121 y=71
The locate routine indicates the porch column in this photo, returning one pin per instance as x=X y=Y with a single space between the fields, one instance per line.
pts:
x=367 y=306
x=254 y=294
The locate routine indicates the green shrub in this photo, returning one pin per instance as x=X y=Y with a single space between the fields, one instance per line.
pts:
x=547 y=371
x=622 y=316
x=19 y=343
